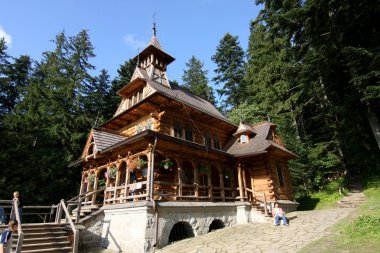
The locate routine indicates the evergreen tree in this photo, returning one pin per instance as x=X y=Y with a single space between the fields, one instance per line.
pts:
x=97 y=100
x=195 y=79
x=229 y=58
x=48 y=127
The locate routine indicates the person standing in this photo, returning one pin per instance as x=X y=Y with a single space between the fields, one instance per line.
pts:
x=17 y=198
x=278 y=214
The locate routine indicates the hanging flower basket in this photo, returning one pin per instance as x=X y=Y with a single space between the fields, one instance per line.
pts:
x=140 y=163
x=111 y=172
x=167 y=163
x=228 y=173
x=204 y=169
x=131 y=164
x=91 y=178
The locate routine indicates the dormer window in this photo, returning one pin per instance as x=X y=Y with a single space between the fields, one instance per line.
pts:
x=244 y=138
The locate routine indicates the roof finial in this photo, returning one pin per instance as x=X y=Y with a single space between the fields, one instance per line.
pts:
x=154 y=24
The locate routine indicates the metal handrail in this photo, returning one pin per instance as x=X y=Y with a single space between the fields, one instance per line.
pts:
x=63 y=207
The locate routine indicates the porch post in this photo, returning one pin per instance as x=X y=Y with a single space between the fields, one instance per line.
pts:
x=149 y=187
x=209 y=182
x=221 y=182
x=81 y=184
x=126 y=188
x=96 y=182
x=244 y=183
x=179 y=191
x=117 y=180
x=196 y=191
x=240 y=181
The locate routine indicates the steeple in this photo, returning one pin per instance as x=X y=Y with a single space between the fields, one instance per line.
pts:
x=154 y=60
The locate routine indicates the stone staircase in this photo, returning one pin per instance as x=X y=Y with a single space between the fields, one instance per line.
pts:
x=354 y=198
x=45 y=237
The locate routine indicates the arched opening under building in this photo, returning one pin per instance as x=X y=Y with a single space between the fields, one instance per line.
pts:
x=215 y=225
x=181 y=230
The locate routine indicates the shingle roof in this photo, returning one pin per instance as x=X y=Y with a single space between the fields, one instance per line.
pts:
x=244 y=128
x=154 y=42
x=184 y=96
x=257 y=144
x=104 y=139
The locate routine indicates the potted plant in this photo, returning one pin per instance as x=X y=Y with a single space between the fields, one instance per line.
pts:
x=228 y=173
x=167 y=163
x=204 y=169
x=111 y=172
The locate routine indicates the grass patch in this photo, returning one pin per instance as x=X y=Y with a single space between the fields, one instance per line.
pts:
x=326 y=198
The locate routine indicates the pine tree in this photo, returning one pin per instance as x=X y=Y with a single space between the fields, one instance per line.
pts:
x=49 y=125
x=195 y=79
x=229 y=58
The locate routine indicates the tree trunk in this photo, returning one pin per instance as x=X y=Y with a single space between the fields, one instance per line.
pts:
x=375 y=126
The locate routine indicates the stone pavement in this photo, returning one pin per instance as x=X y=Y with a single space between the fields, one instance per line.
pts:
x=305 y=227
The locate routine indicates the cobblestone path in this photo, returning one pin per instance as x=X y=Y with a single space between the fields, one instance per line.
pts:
x=305 y=227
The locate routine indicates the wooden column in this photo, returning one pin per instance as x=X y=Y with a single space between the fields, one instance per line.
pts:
x=179 y=176
x=126 y=188
x=149 y=175
x=240 y=181
x=253 y=188
x=209 y=182
x=96 y=182
x=117 y=180
x=81 y=184
x=221 y=182
x=244 y=183
x=196 y=191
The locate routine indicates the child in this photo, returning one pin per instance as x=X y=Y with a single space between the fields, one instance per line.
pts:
x=278 y=214
x=6 y=237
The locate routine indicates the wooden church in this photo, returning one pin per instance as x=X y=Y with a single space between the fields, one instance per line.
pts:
x=168 y=148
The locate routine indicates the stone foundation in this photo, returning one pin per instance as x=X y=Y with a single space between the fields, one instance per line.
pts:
x=141 y=226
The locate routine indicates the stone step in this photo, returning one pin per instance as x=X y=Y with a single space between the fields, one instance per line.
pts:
x=43 y=234
x=42 y=246
x=60 y=249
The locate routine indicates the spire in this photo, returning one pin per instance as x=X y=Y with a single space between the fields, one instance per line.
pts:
x=154 y=41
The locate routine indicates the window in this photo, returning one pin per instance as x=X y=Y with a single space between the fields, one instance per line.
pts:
x=189 y=134
x=207 y=140
x=243 y=138
x=130 y=100
x=279 y=174
x=216 y=142
x=141 y=94
x=177 y=131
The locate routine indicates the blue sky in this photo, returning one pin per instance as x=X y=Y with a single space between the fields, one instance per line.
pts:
x=118 y=28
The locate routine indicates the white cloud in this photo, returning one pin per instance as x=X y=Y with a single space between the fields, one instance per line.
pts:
x=6 y=36
x=134 y=43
